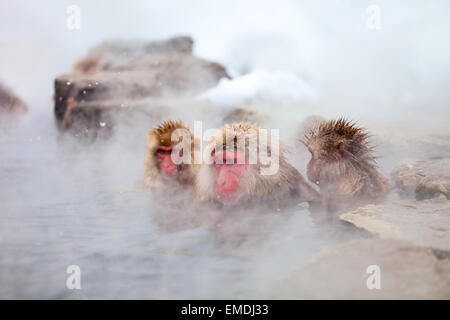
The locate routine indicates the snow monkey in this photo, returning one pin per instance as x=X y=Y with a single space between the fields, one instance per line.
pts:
x=244 y=165
x=343 y=166
x=168 y=155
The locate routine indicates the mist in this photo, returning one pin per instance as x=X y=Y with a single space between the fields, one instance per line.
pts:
x=65 y=203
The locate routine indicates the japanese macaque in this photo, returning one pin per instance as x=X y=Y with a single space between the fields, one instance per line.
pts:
x=170 y=140
x=169 y=172
x=302 y=154
x=343 y=166
x=248 y=167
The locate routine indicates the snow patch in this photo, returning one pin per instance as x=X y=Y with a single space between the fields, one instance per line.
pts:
x=260 y=86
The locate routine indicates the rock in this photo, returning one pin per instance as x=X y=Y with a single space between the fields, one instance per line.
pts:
x=99 y=118
x=340 y=272
x=10 y=104
x=131 y=71
x=121 y=54
x=11 y=108
x=424 y=179
x=425 y=222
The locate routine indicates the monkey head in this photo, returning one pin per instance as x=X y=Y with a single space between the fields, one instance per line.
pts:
x=343 y=166
x=168 y=146
x=246 y=166
x=337 y=147
x=229 y=166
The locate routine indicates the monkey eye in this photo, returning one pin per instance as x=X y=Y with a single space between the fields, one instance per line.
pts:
x=160 y=152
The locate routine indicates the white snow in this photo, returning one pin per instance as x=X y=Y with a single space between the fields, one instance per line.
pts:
x=260 y=85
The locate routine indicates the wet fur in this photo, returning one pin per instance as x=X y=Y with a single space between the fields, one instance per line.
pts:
x=274 y=189
x=343 y=164
x=161 y=136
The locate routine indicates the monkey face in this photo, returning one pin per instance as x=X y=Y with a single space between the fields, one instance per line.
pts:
x=166 y=165
x=229 y=167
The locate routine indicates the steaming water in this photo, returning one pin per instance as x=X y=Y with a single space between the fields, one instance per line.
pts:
x=62 y=205
x=61 y=208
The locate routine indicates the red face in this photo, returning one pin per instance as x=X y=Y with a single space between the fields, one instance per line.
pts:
x=166 y=166
x=228 y=175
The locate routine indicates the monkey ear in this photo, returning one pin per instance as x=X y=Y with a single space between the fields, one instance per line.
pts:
x=152 y=140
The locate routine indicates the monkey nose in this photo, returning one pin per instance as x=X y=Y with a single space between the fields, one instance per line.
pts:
x=167 y=165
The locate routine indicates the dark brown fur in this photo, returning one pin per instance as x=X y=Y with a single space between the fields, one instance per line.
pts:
x=343 y=165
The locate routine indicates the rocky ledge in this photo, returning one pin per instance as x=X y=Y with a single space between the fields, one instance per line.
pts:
x=425 y=222
x=118 y=73
x=343 y=271
x=423 y=179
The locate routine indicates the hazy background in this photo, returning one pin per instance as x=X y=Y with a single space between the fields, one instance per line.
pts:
x=61 y=206
x=404 y=66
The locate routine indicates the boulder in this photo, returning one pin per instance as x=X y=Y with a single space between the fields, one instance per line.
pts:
x=341 y=271
x=10 y=104
x=94 y=119
x=425 y=222
x=424 y=179
x=127 y=74
x=11 y=108
x=128 y=54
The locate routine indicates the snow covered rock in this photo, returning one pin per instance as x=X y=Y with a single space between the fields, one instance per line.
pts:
x=129 y=54
x=260 y=86
x=145 y=70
